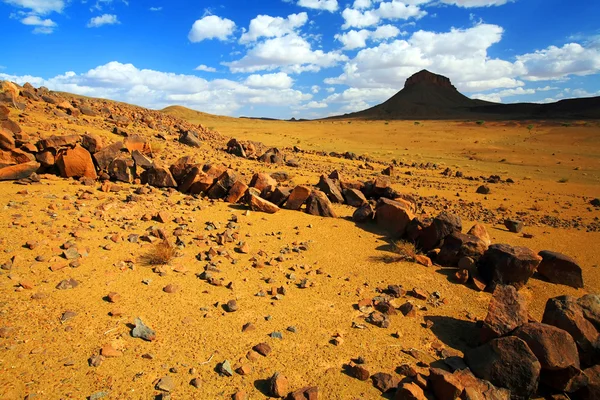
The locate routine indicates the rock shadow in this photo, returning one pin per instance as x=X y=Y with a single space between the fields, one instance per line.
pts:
x=456 y=333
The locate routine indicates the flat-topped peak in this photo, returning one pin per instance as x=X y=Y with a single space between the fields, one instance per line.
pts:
x=427 y=77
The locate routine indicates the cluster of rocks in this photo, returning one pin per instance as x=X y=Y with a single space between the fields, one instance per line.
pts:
x=254 y=151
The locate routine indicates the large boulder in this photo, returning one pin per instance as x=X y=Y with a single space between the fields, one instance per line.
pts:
x=56 y=142
x=441 y=227
x=592 y=390
x=458 y=245
x=559 y=268
x=331 y=189
x=158 y=177
x=257 y=203
x=76 y=162
x=236 y=192
x=122 y=169
x=481 y=232
x=565 y=313
x=19 y=171
x=363 y=213
x=354 y=197
x=220 y=188
x=590 y=304
x=107 y=155
x=297 y=197
x=506 y=362
x=507 y=265
x=272 y=156
x=92 y=142
x=7 y=140
x=263 y=182
x=15 y=156
x=182 y=167
x=506 y=312
x=318 y=204
x=556 y=351
x=393 y=216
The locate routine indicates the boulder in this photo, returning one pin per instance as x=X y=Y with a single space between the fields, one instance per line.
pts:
x=158 y=177
x=272 y=156
x=181 y=168
x=56 y=142
x=591 y=391
x=220 y=188
x=88 y=111
x=442 y=226
x=297 y=197
x=262 y=182
x=564 y=312
x=483 y=189
x=92 y=142
x=19 y=171
x=363 y=213
x=141 y=160
x=513 y=225
x=106 y=156
x=280 y=195
x=15 y=156
x=508 y=265
x=506 y=312
x=190 y=138
x=559 y=268
x=590 y=304
x=478 y=389
x=458 y=245
x=409 y=391
x=236 y=192
x=385 y=382
x=122 y=169
x=318 y=204
x=482 y=233
x=76 y=162
x=7 y=140
x=137 y=142
x=329 y=187
x=354 y=197
x=444 y=385
x=257 y=203
x=195 y=182
x=393 y=216
x=506 y=362
x=556 y=351
x=10 y=125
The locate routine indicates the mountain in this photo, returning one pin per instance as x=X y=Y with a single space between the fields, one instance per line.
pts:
x=431 y=96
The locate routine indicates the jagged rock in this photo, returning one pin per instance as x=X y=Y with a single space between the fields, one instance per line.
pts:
x=15 y=156
x=190 y=138
x=565 y=313
x=278 y=385
x=385 y=382
x=442 y=226
x=272 y=156
x=105 y=156
x=297 y=197
x=182 y=167
x=19 y=171
x=257 y=203
x=332 y=191
x=318 y=204
x=75 y=162
x=559 y=268
x=141 y=160
x=7 y=140
x=306 y=393
x=159 y=177
x=195 y=182
x=409 y=391
x=592 y=390
x=506 y=312
x=458 y=245
x=513 y=225
x=364 y=213
x=263 y=182
x=56 y=142
x=478 y=389
x=479 y=231
x=142 y=331
x=122 y=169
x=92 y=143
x=137 y=142
x=354 y=197
x=10 y=125
x=508 y=265
x=590 y=304
x=220 y=188
x=393 y=216
x=236 y=192
x=506 y=362
x=444 y=385
x=280 y=196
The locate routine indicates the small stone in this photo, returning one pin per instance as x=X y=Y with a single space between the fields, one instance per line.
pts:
x=513 y=225
x=170 y=288
x=263 y=349
x=142 y=331
x=278 y=385
x=359 y=372
x=225 y=368
x=165 y=384
x=95 y=360
x=248 y=327
x=113 y=297
x=231 y=306
x=109 y=351
x=196 y=382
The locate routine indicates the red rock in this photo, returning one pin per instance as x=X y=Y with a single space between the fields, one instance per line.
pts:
x=508 y=265
x=56 y=142
x=458 y=245
x=359 y=372
x=442 y=226
x=262 y=181
x=278 y=385
x=506 y=362
x=363 y=213
x=481 y=232
x=46 y=158
x=478 y=389
x=10 y=125
x=259 y=204
x=182 y=167
x=237 y=191
x=354 y=197
x=159 y=177
x=393 y=216
x=385 y=382
x=409 y=391
x=241 y=395
x=20 y=171
x=263 y=349
x=559 y=268
x=306 y=393
x=318 y=204
x=330 y=188
x=109 y=351
x=15 y=156
x=444 y=385
x=108 y=153
x=220 y=188
x=7 y=140
x=137 y=143
x=76 y=162
x=113 y=297
x=92 y=142
x=297 y=197
x=506 y=312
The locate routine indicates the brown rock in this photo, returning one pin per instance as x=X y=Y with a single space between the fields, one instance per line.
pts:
x=409 y=391
x=241 y=395
x=46 y=158
x=159 y=177
x=330 y=188
x=220 y=188
x=363 y=213
x=237 y=191
x=590 y=304
x=122 y=169
x=263 y=349
x=508 y=265
x=592 y=390
x=108 y=153
x=262 y=182
x=7 y=140
x=279 y=385
x=297 y=197
x=359 y=372
x=506 y=312
x=56 y=142
x=319 y=204
x=20 y=171
x=506 y=362
x=306 y=393
x=280 y=196
x=393 y=216
x=462 y=276
x=559 y=268
x=441 y=227
x=141 y=160
x=458 y=245
x=257 y=203
x=444 y=385
x=76 y=162
x=479 y=231
x=92 y=142
x=182 y=167
x=478 y=389
x=354 y=197
x=385 y=382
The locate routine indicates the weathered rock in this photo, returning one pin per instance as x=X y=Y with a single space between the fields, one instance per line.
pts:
x=190 y=138
x=257 y=203
x=332 y=190
x=75 y=162
x=141 y=160
x=483 y=189
x=565 y=313
x=409 y=391
x=19 y=171
x=590 y=304
x=506 y=362
x=56 y=142
x=513 y=225
x=306 y=393
x=272 y=156
x=297 y=197
x=354 y=197
x=262 y=182
x=7 y=140
x=231 y=306
x=159 y=177
x=280 y=196
x=559 y=268
x=92 y=143
x=278 y=385
x=220 y=188
x=508 y=265
x=479 y=231
x=318 y=204
x=16 y=156
x=393 y=216
x=142 y=331
x=195 y=176
x=478 y=389
x=236 y=192
x=444 y=385
x=385 y=382
x=137 y=142
x=359 y=372
x=442 y=226
x=108 y=153
x=458 y=245
x=182 y=167
x=263 y=349
x=506 y=312
x=591 y=391
x=10 y=125
x=363 y=213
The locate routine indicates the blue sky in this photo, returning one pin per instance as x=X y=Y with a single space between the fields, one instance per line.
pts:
x=300 y=58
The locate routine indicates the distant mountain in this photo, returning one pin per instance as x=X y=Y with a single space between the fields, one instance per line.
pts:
x=430 y=96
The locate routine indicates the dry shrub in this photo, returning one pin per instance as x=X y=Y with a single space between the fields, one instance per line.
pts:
x=162 y=253
x=406 y=250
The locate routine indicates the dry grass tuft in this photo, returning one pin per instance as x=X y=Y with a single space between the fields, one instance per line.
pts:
x=406 y=250
x=162 y=253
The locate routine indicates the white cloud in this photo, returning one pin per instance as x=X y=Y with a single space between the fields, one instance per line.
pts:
x=361 y=4
x=315 y=89
x=328 y=5
x=44 y=26
x=290 y=52
x=311 y=105
x=279 y=80
x=267 y=26
x=211 y=27
x=205 y=68
x=558 y=62
x=498 y=97
x=357 y=39
x=156 y=89
x=584 y=93
x=41 y=7
x=476 y=3
x=105 y=19
x=394 y=10
x=155 y=8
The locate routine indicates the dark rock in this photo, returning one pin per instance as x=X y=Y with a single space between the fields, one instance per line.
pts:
x=297 y=197
x=458 y=245
x=190 y=138
x=359 y=372
x=105 y=156
x=506 y=312
x=444 y=385
x=330 y=188
x=159 y=177
x=513 y=225
x=318 y=204
x=483 y=189
x=363 y=213
x=393 y=216
x=559 y=268
x=122 y=169
x=220 y=188
x=442 y=226
x=504 y=264
x=354 y=197
x=590 y=304
x=385 y=382
x=141 y=160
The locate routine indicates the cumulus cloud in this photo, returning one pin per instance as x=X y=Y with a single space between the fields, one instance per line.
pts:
x=558 y=62
x=40 y=7
x=267 y=26
x=328 y=5
x=211 y=27
x=394 y=10
x=105 y=19
x=205 y=68
x=476 y=3
x=156 y=89
x=290 y=52
x=356 y=39
x=44 y=26
x=279 y=80
x=497 y=97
